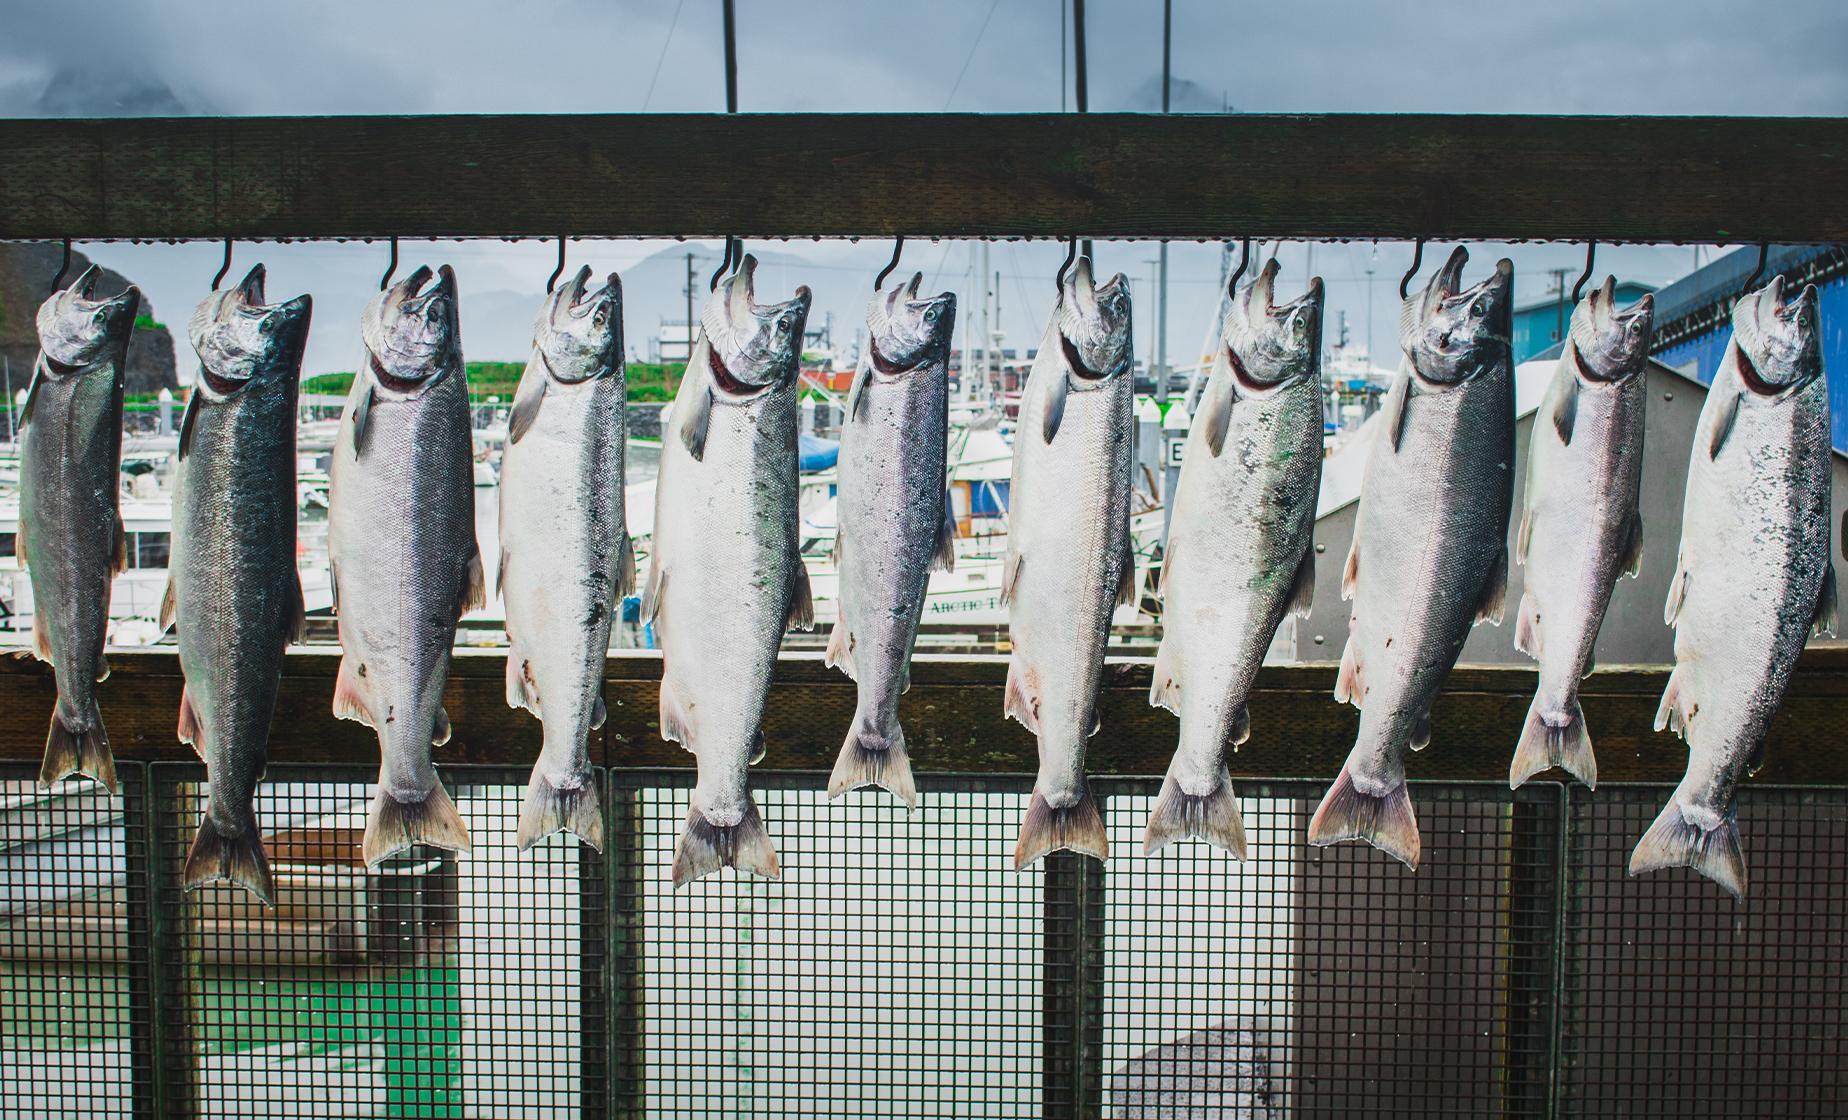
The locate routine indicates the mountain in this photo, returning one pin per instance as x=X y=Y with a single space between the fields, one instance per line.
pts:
x=26 y=271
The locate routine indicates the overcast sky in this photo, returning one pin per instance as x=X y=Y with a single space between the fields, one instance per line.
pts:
x=1559 y=56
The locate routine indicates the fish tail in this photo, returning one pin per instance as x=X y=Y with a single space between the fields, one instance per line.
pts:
x=1212 y=816
x=395 y=825
x=1077 y=827
x=874 y=756
x=239 y=860
x=1554 y=735
x=70 y=751
x=705 y=847
x=1385 y=821
x=550 y=808
x=1675 y=841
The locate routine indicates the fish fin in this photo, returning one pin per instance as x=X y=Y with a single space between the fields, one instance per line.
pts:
x=550 y=808
x=1126 y=578
x=118 y=560
x=441 y=730
x=188 y=730
x=840 y=649
x=1675 y=711
x=25 y=412
x=651 y=596
x=1394 y=408
x=1527 y=626
x=1825 y=618
x=1677 y=592
x=698 y=419
x=1349 y=688
x=1350 y=571
x=519 y=695
x=395 y=825
x=944 y=559
x=1421 y=732
x=1495 y=591
x=705 y=847
x=759 y=748
x=1217 y=416
x=362 y=410
x=102 y=668
x=801 y=600
x=500 y=573
x=70 y=752
x=186 y=428
x=1167 y=565
x=856 y=393
x=1020 y=703
x=474 y=586
x=525 y=410
x=1386 y=821
x=675 y=726
x=1675 y=841
x=1010 y=576
x=1165 y=687
x=168 y=608
x=1725 y=414
x=1302 y=588
x=296 y=624
x=875 y=757
x=41 y=638
x=625 y=567
x=1213 y=817
x=1565 y=411
x=1633 y=548
x=349 y=703
x=239 y=860
x=19 y=546
x=1554 y=737
x=1240 y=728
x=599 y=715
x=333 y=586
x=1077 y=827
x=1524 y=535
x=1055 y=405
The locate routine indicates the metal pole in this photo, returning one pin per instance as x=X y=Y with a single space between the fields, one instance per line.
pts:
x=731 y=59
x=1161 y=330
x=1083 y=89
x=690 y=275
x=1167 y=47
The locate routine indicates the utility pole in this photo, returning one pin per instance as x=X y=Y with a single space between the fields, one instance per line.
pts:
x=1161 y=288
x=689 y=308
x=1559 y=289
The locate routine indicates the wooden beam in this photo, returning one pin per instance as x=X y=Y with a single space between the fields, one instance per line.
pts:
x=953 y=720
x=936 y=175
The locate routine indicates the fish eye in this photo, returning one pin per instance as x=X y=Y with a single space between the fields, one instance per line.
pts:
x=782 y=326
x=930 y=316
x=1479 y=308
x=266 y=325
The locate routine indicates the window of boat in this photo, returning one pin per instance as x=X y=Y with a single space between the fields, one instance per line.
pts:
x=7 y=547
x=148 y=550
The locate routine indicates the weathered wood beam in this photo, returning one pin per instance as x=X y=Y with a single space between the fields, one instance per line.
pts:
x=953 y=721
x=936 y=175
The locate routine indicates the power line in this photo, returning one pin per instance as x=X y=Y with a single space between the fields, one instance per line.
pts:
x=662 y=57
x=972 y=49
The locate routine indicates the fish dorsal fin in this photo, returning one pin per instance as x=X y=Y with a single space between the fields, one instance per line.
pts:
x=856 y=394
x=187 y=420
x=1056 y=393
x=1565 y=408
x=1216 y=413
x=1393 y=410
x=362 y=410
x=699 y=409
x=526 y=399
x=1725 y=415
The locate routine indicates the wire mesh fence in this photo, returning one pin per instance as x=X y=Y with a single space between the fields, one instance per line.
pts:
x=903 y=968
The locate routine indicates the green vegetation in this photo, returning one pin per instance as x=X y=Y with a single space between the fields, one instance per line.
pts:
x=149 y=323
x=648 y=381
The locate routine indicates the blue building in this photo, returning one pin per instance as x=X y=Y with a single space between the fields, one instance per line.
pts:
x=1540 y=326
x=1694 y=315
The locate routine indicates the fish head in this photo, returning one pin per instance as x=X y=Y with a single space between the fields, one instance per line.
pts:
x=239 y=338
x=77 y=329
x=907 y=330
x=580 y=330
x=411 y=331
x=1270 y=344
x=1093 y=325
x=1779 y=340
x=753 y=347
x=1610 y=343
x=1452 y=333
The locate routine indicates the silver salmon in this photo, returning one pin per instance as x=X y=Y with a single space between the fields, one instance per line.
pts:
x=1580 y=529
x=1241 y=550
x=1430 y=551
x=70 y=531
x=233 y=590
x=565 y=553
x=895 y=523
x=725 y=577
x=401 y=543
x=1753 y=577
x=1069 y=562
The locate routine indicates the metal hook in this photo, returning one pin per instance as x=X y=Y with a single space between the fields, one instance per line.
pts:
x=1071 y=254
x=1244 y=263
x=552 y=280
x=1405 y=282
x=385 y=280
x=223 y=268
x=732 y=244
x=63 y=268
x=1764 y=250
x=897 y=248
x=1591 y=249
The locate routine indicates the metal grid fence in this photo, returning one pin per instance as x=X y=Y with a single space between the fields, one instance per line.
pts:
x=902 y=968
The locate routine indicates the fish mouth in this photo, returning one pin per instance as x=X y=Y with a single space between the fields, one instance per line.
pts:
x=1077 y=365
x=727 y=383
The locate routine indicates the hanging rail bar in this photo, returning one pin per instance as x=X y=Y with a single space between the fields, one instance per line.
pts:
x=1619 y=179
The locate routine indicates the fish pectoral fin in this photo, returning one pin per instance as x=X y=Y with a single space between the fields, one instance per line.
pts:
x=840 y=649
x=1010 y=576
x=1725 y=414
x=167 y=606
x=944 y=559
x=1350 y=571
x=1677 y=591
x=1394 y=408
x=1216 y=414
x=349 y=699
x=1565 y=410
x=1022 y=701
x=362 y=411
x=1165 y=687
x=187 y=421
x=1825 y=618
x=474 y=593
x=625 y=567
x=441 y=731
x=25 y=412
x=1633 y=548
x=1527 y=626
x=698 y=419
x=188 y=730
x=1056 y=393
x=1302 y=588
x=801 y=599
x=1494 y=591
x=526 y=401
x=856 y=393
x=118 y=561
x=651 y=598
x=1349 y=688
